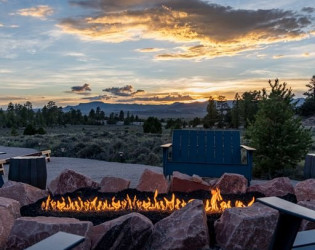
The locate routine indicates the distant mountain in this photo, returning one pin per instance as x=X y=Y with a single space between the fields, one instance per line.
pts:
x=175 y=110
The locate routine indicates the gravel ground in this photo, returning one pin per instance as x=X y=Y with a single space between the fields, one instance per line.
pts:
x=93 y=168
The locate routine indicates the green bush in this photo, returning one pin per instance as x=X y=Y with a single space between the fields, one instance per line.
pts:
x=29 y=130
x=152 y=125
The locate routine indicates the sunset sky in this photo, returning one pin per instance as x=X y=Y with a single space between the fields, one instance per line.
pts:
x=151 y=51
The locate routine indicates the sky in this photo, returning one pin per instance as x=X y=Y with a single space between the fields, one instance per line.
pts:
x=151 y=51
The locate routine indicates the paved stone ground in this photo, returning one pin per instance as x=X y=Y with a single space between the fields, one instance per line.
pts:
x=93 y=168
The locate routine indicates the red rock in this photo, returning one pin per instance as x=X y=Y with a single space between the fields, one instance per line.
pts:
x=305 y=190
x=246 y=228
x=130 y=231
x=69 y=181
x=307 y=225
x=232 y=184
x=276 y=187
x=151 y=181
x=183 y=229
x=185 y=183
x=9 y=211
x=27 y=231
x=22 y=192
x=113 y=184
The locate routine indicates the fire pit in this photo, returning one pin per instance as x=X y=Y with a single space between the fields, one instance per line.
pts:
x=89 y=204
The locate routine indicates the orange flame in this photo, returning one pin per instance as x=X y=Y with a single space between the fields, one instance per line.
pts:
x=213 y=205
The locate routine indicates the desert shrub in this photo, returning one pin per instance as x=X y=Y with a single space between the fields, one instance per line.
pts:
x=41 y=131
x=14 y=132
x=89 y=151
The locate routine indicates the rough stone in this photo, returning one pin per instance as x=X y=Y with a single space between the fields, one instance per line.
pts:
x=113 y=184
x=9 y=211
x=185 y=183
x=276 y=187
x=307 y=225
x=232 y=184
x=183 y=229
x=130 y=231
x=27 y=231
x=305 y=190
x=246 y=228
x=69 y=181
x=151 y=181
x=22 y=192
x=196 y=178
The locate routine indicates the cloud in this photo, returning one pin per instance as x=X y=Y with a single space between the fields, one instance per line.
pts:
x=278 y=56
x=1 y=25
x=308 y=9
x=123 y=91
x=149 y=50
x=205 y=30
x=158 y=98
x=12 y=98
x=98 y=98
x=80 y=90
x=40 y=11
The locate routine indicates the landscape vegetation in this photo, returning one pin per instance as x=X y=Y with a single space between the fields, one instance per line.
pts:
x=269 y=120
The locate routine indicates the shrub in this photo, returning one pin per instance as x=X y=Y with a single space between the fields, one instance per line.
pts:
x=152 y=125
x=29 y=130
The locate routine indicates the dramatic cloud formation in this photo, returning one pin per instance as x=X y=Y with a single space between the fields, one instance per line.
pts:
x=123 y=91
x=205 y=30
x=41 y=11
x=81 y=90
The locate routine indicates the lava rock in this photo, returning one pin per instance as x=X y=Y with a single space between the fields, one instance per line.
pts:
x=22 y=192
x=130 y=231
x=27 y=231
x=9 y=211
x=306 y=224
x=69 y=181
x=305 y=190
x=113 y=184
x=151 y=181
x=246 y=228
x=232 y=184
x=185 y=183
x=183 y=229
x=276 y=187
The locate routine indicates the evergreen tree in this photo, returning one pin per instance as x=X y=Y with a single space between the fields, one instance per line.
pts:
x=249 y=106
x=277 y=134
x=308 y=107
x=236 y=111
x=121 y=115
x=212 y=114
x=152 y=125
x=222 y=108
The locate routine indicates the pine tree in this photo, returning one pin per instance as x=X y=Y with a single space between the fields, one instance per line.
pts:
x=308 y=107
x=277 y=134
x=236 y=110
x=212 y=114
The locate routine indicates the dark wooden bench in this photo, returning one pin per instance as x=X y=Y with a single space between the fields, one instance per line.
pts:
x=58 y=241
x=208 y=153
x=286 y=235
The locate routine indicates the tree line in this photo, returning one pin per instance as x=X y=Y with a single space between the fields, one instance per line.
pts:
x=20 y=116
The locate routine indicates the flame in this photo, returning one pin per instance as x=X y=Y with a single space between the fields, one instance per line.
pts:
x=214 y=205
